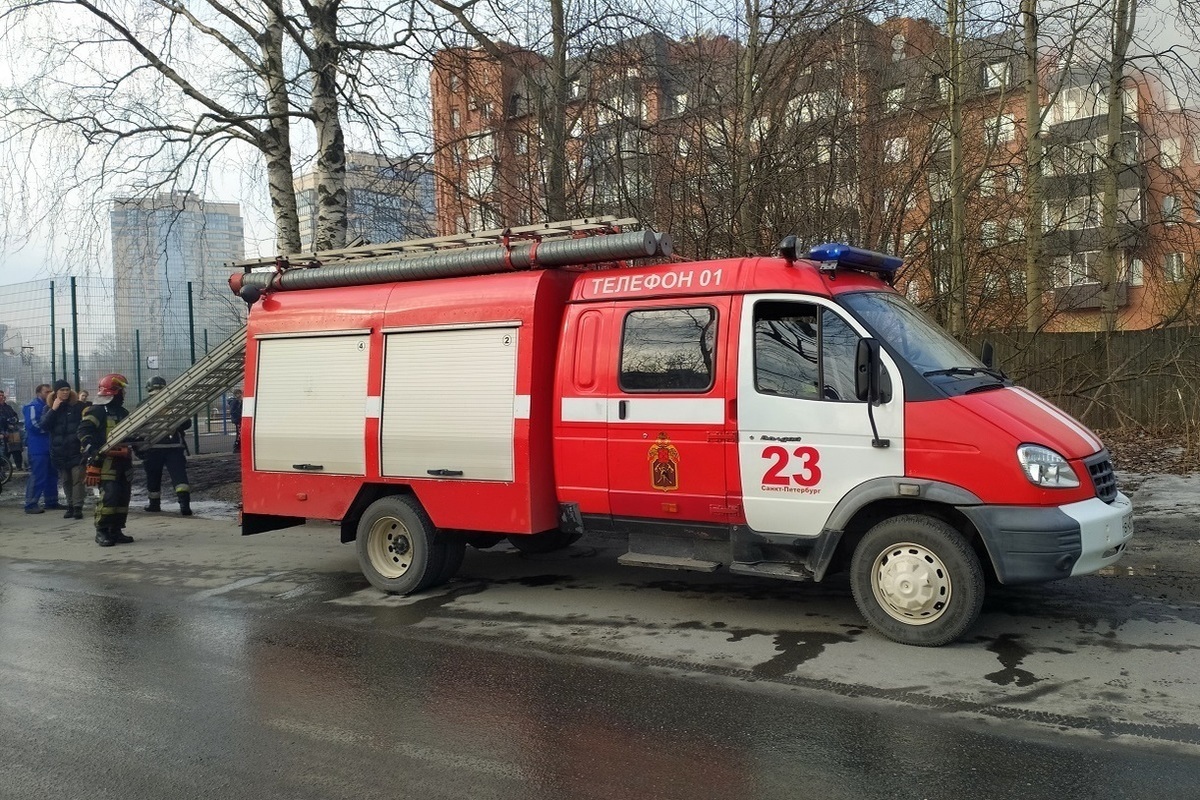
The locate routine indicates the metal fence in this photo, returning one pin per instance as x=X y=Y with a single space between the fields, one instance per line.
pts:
x=84 y=328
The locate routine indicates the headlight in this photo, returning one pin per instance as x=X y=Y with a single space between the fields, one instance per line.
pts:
x=1046 y=468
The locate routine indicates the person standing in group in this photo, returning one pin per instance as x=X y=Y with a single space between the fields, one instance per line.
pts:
x=234 y=406
x=10 y=431
x=83 y=398
x=61 y=422
x=42 y=484
x=112 y=471
x=170 y=452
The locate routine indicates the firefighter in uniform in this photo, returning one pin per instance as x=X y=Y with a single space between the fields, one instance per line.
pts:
x=112 y=471
x=170 y=452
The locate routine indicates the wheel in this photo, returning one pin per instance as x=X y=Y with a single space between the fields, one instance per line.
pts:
x=6 y=470
x=917 y=581
x=455 y=549
x=398 y=550
x=548 y=542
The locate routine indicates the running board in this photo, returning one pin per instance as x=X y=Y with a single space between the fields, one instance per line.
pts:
x=667 y=562
x=772 y=569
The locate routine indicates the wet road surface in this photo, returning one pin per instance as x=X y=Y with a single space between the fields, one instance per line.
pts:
x=199 y=664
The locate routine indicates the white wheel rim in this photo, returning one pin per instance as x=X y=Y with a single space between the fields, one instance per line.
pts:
x=911 y=583
x=390 y=547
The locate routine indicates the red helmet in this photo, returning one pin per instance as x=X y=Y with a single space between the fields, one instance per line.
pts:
x=112 y=385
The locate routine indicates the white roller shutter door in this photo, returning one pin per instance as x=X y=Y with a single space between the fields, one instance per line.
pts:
x=448 y=403
x=310 y=404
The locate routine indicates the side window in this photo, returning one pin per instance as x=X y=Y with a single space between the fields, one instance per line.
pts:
x=785 y=349
x=668 y=350
x=803 y=351
x=839 y=343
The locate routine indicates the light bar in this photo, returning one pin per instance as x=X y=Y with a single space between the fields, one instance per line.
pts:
x=833 y=255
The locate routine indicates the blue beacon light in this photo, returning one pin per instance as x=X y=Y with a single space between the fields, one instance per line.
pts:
x=834 y=255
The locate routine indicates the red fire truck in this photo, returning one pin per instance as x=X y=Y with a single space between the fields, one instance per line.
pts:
x=786 y=417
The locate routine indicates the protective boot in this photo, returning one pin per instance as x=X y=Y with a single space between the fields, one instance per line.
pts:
x=70 y=512
x=78 y=512
x=104 y=537
x=155 y=505
x=185 y=503
x=118 y=537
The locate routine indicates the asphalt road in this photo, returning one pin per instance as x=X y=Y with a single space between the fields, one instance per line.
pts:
x=198 y=663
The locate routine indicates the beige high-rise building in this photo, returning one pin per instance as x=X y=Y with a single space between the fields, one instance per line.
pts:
x=160 y=244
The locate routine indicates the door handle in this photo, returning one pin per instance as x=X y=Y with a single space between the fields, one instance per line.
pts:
x=309 y=467
x=445 y=473
x=622 y=409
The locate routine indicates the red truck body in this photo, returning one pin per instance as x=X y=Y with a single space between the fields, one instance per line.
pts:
x=712 y=411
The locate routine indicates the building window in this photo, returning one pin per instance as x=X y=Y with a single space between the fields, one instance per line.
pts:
x=999 y=129
x=895 y=150
x=455 y=119
x=996 y=75
x=989 y=233
x=1075 y=269
x=1170 y=153
x=668 y=350
x=681 y=102
x=455 y=83
x=485 y=109
x=1173 y=267
x=939 y=185
x=987 y=182
x=1172 y=210
x=521 y=145
x=480 y=146
x=893 y=99
x=939 y=137
x=1136 y=272
x=941 y=87
x=1015 y=230
x=899 y=47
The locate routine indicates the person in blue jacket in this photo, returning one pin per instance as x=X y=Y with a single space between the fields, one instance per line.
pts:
x=42 y=484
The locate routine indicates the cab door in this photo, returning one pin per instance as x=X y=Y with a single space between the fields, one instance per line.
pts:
x=670 y=436
x=804 y=440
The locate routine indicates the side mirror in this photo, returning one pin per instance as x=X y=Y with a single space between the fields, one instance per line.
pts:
x=867 y=365
x=988 y=355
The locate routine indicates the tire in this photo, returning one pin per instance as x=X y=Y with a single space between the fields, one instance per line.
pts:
x=399 y=551
x=6 y=468
x=917 y=581
x=455 y=548
x=548 y=542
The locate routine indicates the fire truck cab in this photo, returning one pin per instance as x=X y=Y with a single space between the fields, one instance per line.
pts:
x=785 y=417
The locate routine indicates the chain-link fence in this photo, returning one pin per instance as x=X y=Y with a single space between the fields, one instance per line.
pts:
x=82 y=329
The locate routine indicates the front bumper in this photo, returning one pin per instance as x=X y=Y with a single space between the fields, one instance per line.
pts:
x=1030 y=544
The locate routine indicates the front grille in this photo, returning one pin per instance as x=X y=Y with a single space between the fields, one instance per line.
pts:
x=1100 y=469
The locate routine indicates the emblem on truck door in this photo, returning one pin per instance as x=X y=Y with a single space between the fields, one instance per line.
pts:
x=664 y=464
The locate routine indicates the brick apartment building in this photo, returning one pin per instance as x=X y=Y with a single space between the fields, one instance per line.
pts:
x=842 y=136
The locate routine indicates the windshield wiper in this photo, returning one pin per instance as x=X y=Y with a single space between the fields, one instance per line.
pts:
x=993 y=373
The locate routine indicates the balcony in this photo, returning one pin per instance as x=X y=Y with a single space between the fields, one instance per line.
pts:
x=1085 y=296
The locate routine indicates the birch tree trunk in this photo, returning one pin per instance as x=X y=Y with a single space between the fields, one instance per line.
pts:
x=330 y=171
x=554 y=116
x=1124 y=19
x=275 y=141
x=1035 y=200
x=958 y=205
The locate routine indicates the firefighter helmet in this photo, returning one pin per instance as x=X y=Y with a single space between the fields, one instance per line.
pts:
x=156 y=383
x=111 y=385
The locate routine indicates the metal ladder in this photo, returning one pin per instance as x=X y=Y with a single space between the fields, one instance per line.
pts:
x=164 y=411
x=420 y=247
x=223 y=367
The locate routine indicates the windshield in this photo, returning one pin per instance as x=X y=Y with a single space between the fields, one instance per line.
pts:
x=909 y=332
